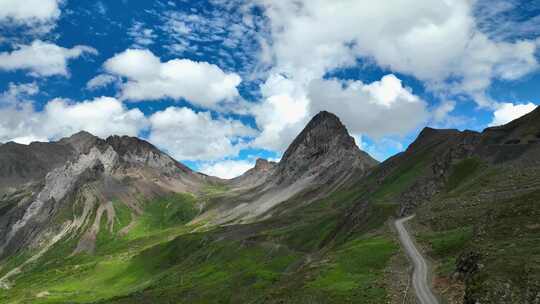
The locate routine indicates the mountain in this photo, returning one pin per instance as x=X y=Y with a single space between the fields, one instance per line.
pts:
x=321 y=159
x=254 y=176
x=45 y=183
x=476 y=197
x=90 y=220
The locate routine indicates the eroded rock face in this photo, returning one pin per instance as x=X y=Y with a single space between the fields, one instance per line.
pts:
x=82 y=169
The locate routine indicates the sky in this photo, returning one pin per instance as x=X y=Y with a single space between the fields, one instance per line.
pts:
x=217 y=84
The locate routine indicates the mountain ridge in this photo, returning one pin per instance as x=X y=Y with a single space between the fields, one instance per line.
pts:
x=131 y=224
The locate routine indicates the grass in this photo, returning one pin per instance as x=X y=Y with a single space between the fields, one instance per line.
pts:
x=164 y=213
x=355 y=271
x=450 y=242
x=160 y=261
x=402 y=177
x=492 y=212
x=463 y=171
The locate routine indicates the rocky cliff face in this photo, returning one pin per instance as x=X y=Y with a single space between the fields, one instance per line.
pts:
x=44 y=183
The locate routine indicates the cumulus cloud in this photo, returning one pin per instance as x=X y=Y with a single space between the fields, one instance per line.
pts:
x=282 y=114
x=227 y=169
x=147 y=78
x=377 y=109
x=102 y=117
x=435 y=41
x=188 y=135
x=506 y=112
x=42 y=58
x=442 y=111
x=100 y=81
x=29 y=10
x=17 y=92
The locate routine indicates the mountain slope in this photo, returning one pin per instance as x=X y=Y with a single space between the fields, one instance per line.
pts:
x=476 y=199
x=321 y=159
x=85 y=174
x=255 y=240
x=148 y=252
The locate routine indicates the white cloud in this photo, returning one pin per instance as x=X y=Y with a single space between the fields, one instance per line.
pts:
x=227 y=169
x=100 y=81
x=507 y=112
x=42 y=58
x=148 y=78
x=29 y=10
x=282 y=114
x=435 y=41
x=188 y=135
x=442 y=111
x=142 y=37
x=17 y=92
x=377 y=109
x=102 y=117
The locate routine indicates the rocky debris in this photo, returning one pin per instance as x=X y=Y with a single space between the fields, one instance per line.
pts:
x=21 y=164
x=263 y=165
x=440 y=150
x=467 y=264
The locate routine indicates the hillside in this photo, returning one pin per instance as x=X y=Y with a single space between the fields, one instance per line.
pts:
x=476 y=199
x=125 y=223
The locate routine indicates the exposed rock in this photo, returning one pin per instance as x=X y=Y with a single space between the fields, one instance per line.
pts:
x=322 y=158
x=254 y=176
x=46 y=179
x=467 y=265
x=325 y=149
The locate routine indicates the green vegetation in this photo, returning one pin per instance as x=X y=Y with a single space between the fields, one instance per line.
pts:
x=355 y=271
x=308 y=254
x=164 y=213
x=462 y=171
x=402 y=177
x=493 y=213
x=444 y=243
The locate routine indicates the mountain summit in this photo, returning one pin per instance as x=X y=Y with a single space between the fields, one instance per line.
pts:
x=324 y=144
x=322 y=158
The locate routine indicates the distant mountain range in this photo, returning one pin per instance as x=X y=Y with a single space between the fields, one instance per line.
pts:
x=90 y=220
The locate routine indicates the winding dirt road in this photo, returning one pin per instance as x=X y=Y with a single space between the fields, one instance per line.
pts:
x=420 y=281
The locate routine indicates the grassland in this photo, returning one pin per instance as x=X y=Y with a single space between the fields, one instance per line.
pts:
x=297 y=258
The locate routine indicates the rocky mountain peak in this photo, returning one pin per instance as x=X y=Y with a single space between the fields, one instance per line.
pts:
x=262 y=164
x=127 y=144
x=82 y=141
x=323 y=148
x=324 y=133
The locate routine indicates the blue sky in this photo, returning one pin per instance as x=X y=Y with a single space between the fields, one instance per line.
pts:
x=219 y=83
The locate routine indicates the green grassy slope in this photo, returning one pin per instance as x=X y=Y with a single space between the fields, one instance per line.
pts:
x=308 y=256
x=484 y=232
